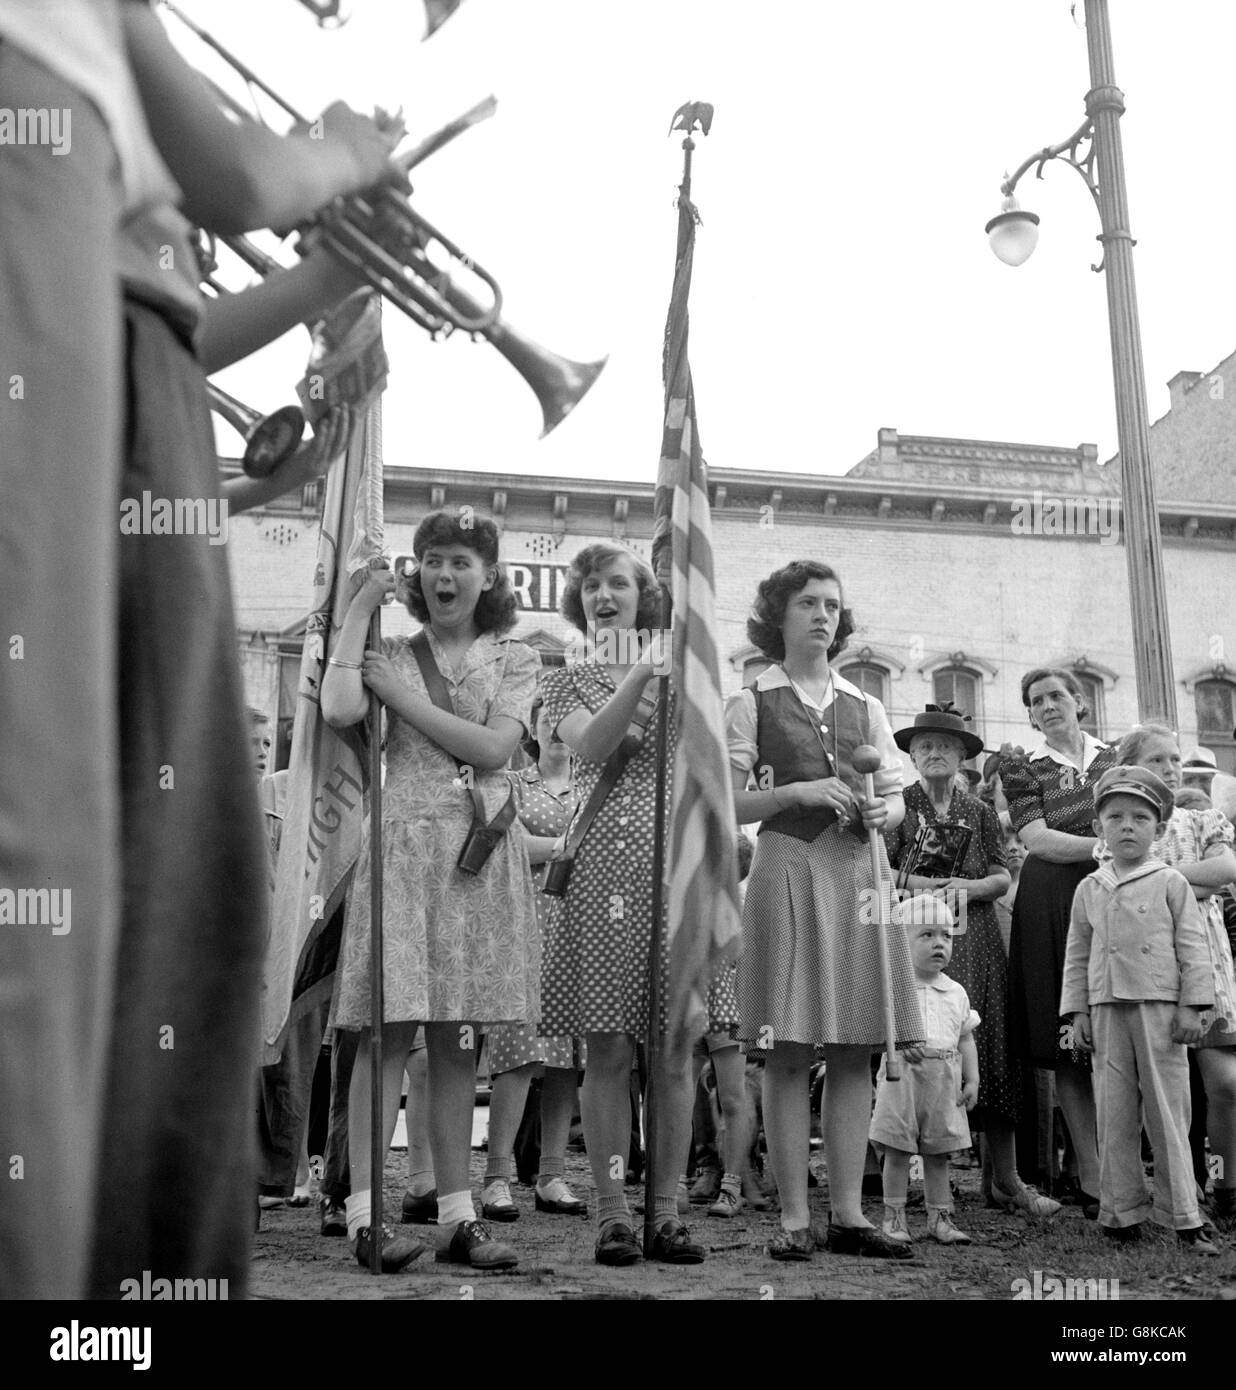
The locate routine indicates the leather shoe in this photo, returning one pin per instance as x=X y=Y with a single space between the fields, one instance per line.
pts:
x=616 y=1245
x=334 y=1218
x=420 y=1211
x=473 y=1245
x=865 y=1240
x=672 y=1245
x=497 y=1204
x=397 y=1251
x=557 y=1198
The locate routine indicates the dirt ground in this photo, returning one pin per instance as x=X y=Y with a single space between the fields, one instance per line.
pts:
x=292 y=1261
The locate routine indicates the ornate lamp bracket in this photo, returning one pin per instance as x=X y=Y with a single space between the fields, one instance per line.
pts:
x=1078 y=152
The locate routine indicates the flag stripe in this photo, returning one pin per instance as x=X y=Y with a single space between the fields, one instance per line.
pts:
x=702 y=896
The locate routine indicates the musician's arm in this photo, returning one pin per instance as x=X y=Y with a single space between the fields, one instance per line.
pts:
x=239 y=177
x=238 y=324
x=311 y=460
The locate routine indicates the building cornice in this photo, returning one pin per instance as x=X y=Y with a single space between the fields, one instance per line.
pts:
x=623 y=509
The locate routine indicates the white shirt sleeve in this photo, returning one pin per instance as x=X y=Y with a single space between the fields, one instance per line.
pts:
x=888 y=781
x=741 y=728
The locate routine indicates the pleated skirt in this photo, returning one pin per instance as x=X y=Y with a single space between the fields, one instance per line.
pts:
x=809 y=971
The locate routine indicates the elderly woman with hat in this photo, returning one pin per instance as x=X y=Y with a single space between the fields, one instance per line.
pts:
x=937 y=743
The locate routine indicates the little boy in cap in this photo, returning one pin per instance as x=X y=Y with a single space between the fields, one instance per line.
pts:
x=1136 y=977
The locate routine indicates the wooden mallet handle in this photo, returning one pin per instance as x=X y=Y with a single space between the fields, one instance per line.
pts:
x=866 y=760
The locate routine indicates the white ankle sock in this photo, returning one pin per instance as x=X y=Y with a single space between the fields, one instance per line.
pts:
x=454 y=1207
x=358 y=1208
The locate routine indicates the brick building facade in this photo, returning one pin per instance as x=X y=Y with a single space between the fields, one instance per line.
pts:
x=966 y=563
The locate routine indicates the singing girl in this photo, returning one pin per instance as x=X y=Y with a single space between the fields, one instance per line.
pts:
x=461 y=950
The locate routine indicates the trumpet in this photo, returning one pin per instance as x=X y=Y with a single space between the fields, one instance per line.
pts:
x=411 y=263
x=269 y=439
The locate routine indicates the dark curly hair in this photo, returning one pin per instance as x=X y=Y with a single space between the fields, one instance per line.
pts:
x=495 y=609
x=772 y=598
x=590 y=559
x=1064 y=676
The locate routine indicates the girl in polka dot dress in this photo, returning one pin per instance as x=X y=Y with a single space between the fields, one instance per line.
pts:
x=595 y=972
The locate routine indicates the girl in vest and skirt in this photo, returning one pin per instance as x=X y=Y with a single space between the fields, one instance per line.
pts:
x=809 y=973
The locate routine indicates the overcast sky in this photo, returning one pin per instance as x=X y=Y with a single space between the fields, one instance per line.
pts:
x=843 y=279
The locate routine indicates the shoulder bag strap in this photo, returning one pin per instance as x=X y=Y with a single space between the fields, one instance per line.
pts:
x=615 y=765
x=440 y=695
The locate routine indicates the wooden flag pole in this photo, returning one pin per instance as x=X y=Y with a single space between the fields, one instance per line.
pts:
x=685 y=118
x=377 y=1002
x=652 y=1039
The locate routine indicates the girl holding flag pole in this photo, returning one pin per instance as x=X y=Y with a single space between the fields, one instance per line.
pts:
x=461 y=943
x=596 y=977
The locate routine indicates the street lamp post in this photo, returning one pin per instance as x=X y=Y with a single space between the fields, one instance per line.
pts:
x=1013 y=234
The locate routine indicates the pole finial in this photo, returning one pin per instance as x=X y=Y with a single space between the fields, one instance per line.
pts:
x=692 y=116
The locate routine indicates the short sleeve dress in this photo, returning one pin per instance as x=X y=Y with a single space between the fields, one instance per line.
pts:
x=512 y=1045
x=1189 y=836
x=455 y=947
x=978 y=964
x=596 y=976
x=1042 y=786
x=809 y=971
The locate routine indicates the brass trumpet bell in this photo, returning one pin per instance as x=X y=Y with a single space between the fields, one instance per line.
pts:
x=270 y=440
x=558 y=383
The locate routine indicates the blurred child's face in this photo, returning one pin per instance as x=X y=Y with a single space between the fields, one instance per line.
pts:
x=931 y=947
x=453 y=578
x=1129 y=826
x=1015 y=853
x=1160 y=755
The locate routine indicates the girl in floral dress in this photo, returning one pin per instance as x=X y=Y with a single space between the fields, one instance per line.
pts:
x=460 y=951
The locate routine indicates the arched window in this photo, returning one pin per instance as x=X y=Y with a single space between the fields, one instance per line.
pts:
x=552 y=650
x=1215 y=703
x=964 y=688
x=1092 y=689
x=871 y=679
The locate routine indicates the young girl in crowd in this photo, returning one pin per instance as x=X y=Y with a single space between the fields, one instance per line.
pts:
x=596 y=976
x=925 y=1111
x=545 y=801
x=809 y=974
x=1199 y=844
x=461 y=950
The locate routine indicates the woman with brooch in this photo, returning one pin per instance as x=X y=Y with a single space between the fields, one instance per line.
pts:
x=970 y=871
x=1050 y=791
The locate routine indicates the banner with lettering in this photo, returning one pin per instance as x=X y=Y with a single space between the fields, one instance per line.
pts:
x=326 y=773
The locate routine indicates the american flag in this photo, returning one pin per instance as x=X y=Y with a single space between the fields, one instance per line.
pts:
x=701 y=876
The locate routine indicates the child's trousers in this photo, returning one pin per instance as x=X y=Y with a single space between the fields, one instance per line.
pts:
x=1136 y=1065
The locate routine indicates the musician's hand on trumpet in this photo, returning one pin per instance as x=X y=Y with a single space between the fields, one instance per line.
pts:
x=328 y=443
x=361 y=146
x=240 y=176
